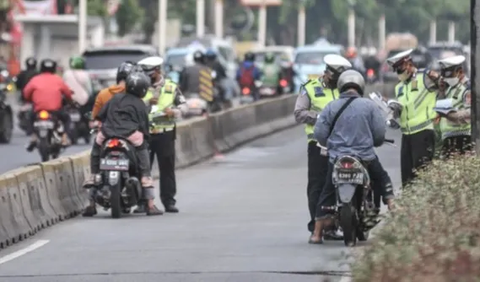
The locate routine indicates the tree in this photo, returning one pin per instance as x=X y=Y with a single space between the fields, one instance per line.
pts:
x=128 y=15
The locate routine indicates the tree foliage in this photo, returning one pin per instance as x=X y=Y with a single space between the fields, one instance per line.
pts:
x=128 y=15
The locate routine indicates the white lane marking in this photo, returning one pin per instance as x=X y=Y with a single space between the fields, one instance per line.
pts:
x=23 y=251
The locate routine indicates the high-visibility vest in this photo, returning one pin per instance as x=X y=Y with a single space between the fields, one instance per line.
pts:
x=165 y=100
x=418 y=103
x=319 y=96
x=451 y=129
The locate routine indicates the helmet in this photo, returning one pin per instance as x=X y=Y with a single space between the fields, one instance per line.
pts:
x=249 y=57
x=351 y=79
x=48 y=65
x=269 y=58
x=211 y=54
x=198 y=57
x=351 y=52
x=151 y=64
x=31 y=63
x=124 y=70
x=77 y=63
x=137 y=83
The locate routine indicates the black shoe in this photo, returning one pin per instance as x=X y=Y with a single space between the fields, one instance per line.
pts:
x=31 y=146
x=89 y=211
x=140 y=209
x=171 y=209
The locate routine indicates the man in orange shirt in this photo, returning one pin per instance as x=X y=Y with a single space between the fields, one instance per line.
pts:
x=46 y=91
x=107 y=93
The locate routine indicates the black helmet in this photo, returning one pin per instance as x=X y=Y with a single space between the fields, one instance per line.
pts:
x=31 y=63
x=137 y=83
x=198 y=57
x=48 y=65
x=211 y=54
x=124 y=70
x=249 y=57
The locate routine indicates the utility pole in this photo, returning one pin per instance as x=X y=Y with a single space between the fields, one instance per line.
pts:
x=451 y=32
x=219 y=18
x=475 y=81
x=381 y=33
x=351 y=23
x=301 y=24
x=82 y=26
x=162 y=28
x=262 y=24
x=200 y=18
x=433 y=32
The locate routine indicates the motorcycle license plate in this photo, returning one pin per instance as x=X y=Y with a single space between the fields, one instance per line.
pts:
x=266 y=91
x=75 y=117
x=350 y=176
x=43 y=124
x=247 y=99
x=119 y=165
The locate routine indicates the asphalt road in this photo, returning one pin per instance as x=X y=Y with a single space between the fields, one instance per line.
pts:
x=242 y=218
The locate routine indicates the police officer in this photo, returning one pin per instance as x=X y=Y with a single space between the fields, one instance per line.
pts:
x=198 y=78
x=415 y=109
x=456 y=126
x=314 y=96
x=166 y=104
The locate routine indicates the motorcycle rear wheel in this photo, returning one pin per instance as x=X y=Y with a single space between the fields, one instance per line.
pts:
x=115 y=200
x=44 y=149
x=349 y=224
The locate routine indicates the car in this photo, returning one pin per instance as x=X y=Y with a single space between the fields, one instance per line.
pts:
x=102 y=63
x=308 y=62
x=442 y=50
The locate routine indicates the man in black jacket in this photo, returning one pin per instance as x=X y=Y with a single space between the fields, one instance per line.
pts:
x=26 y=75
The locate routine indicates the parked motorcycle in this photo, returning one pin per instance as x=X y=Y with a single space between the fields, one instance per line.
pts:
x=356 y=212
x=49 y=131
x=78 y=126
x=118 y=187
x=6 y=117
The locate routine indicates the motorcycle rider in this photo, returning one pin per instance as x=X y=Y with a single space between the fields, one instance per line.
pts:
x=166 y=104
x=211 y=60
x=26 y=75
x=415 y=110
x=78 y=79
x=46 y=91
x=248 y=73
x=351 y=125
x=271 y=72
x=313 y=98
x=456 y=126
x=125 y=116
x=356 y=60
x=107 y=93
x=197 y=78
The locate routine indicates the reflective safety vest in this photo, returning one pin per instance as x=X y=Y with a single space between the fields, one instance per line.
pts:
x=451 y=129
x=319 y=98
x=418 y=103
x=166 y=99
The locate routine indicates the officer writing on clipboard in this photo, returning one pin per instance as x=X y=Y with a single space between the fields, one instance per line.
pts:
x=166 y=104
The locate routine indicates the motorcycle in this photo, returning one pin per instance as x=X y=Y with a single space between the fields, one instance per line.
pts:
x=266 y=91
x=49 y=131
x=78 y=126
x=6 y=117
x=118 y=186
x=197 y=106
x=371 y=76
x=24 y=116
x=356 y=213
x=248 y=95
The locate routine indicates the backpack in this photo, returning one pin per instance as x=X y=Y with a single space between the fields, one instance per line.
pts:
x=246 y=76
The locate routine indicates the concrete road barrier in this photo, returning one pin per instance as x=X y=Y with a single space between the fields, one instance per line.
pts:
x=39 y=196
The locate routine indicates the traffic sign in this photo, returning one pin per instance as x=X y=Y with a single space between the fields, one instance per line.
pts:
x=261 y=2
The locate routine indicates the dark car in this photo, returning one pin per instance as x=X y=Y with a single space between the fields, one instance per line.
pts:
x=442 y=50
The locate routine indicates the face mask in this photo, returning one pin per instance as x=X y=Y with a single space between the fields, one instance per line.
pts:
x=452 y=81
x=403 y=76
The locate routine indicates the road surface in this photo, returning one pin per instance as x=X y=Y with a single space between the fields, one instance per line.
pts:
x=242 y=218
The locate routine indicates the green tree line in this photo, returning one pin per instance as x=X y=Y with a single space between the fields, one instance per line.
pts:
x=324 y=17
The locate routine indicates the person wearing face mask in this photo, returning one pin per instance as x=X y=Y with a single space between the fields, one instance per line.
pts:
x=456 y=126
x=415 y=110
x=165 y=104
x=313 y=98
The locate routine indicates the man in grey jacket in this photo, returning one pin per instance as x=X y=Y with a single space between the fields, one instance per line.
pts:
x=357 y=130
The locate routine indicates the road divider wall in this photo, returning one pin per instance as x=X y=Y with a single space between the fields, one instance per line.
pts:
x=39 y=196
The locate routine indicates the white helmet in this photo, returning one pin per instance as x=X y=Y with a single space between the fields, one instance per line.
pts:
x=150 y=64
x=351 y=79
